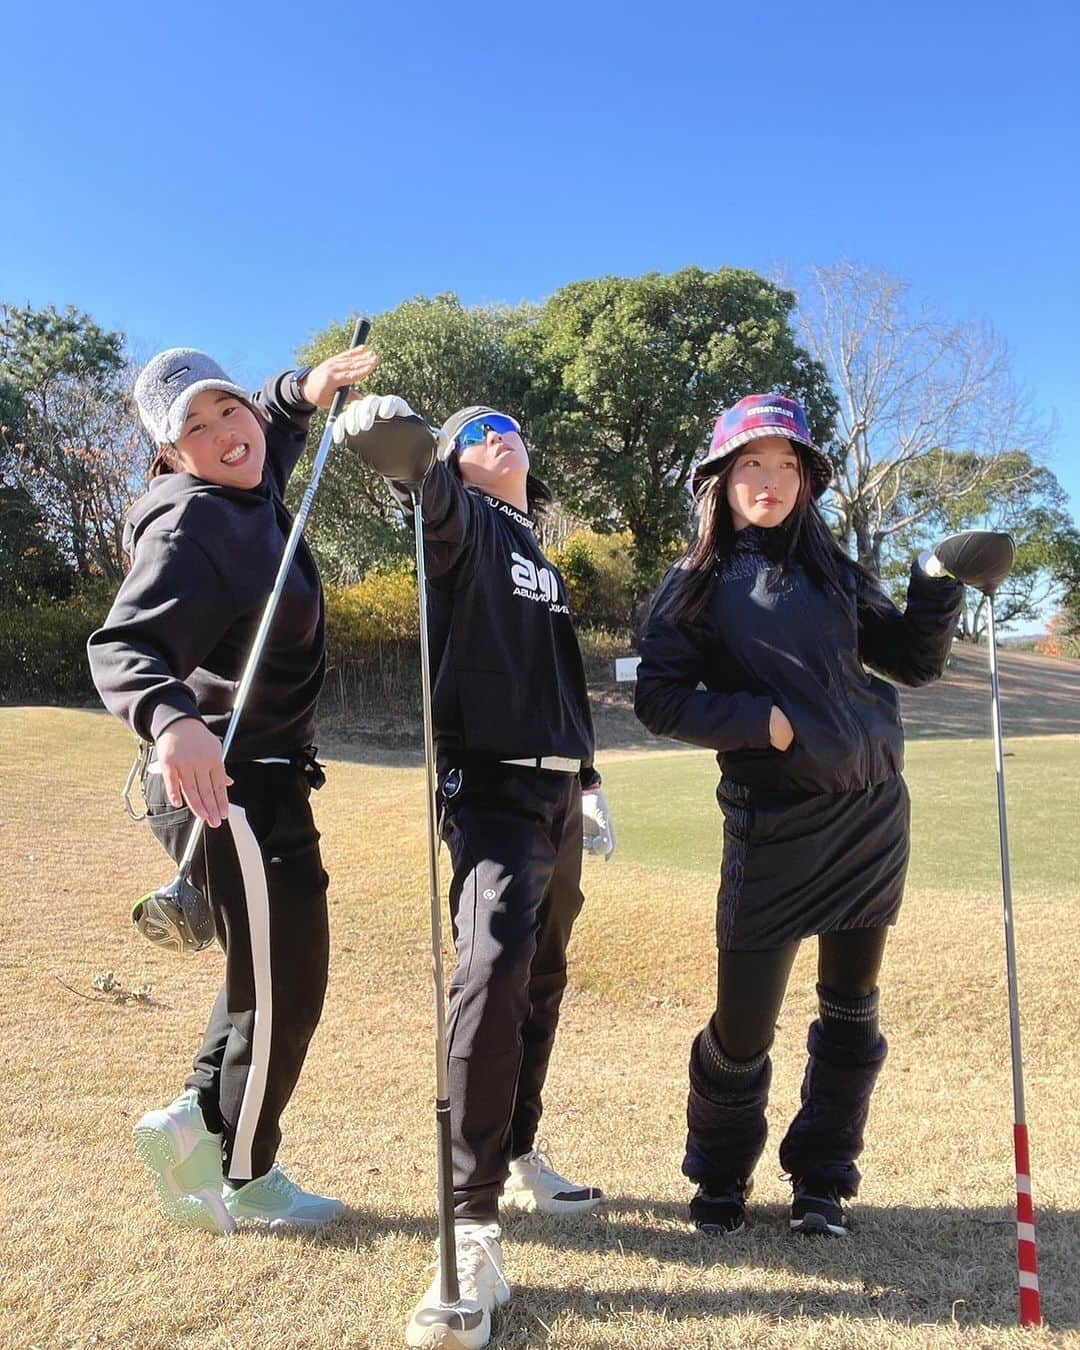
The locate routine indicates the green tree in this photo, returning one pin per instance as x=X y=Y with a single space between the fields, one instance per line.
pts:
x=439 y=356
x=626 y=376
x=31 y=567
x=1011 y=493
x=77 y=455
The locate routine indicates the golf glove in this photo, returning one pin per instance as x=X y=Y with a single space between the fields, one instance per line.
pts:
x=598 y=832
x=388 y=436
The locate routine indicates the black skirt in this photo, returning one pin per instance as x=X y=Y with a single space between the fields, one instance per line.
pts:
x=797 y=866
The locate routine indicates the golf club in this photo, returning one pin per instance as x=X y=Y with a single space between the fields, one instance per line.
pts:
x=982 y=559
x=178 y=916
x=449 y=1292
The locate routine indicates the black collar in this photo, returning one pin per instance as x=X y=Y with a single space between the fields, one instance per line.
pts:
x=508 y=510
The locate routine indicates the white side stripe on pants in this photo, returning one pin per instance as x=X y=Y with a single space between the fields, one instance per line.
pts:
x=257 y=901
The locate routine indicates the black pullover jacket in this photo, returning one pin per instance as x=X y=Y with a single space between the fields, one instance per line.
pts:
x=770 y=637
x=507 y=674
x=203 y=562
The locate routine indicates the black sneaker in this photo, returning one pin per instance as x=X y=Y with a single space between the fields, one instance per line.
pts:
x=816 y=1210
x=719 y=1211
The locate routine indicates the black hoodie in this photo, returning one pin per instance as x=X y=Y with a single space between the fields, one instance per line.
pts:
x=507 y=672
x=203 y=562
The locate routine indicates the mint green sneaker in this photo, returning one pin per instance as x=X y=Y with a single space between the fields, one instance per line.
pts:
x=277 y=1200
x=184 y=1159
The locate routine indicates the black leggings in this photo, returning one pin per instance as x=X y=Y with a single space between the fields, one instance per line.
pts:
x=750 y=986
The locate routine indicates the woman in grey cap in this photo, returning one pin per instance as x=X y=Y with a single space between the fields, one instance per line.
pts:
x=756 y=647
x=205 y=542
x=514 y=747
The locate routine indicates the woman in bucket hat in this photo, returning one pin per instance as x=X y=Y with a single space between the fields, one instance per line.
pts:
x=779 y=625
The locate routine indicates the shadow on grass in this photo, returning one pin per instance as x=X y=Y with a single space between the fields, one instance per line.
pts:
x=908 y=1265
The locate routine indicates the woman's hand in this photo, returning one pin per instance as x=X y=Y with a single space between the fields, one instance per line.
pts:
x=323 y=381
x=193 y=770
x=781 y=732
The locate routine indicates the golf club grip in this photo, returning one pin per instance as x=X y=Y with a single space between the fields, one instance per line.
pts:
x=360 y=332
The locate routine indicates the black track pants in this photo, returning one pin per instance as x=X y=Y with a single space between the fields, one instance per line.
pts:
x=514 y=836
x=726 y=1117
x=264 y=876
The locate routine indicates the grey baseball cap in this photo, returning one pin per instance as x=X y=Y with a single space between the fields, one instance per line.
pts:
x=167 y=385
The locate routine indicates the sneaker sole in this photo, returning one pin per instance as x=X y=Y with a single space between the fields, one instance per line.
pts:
x=531 y=1204
x=185 y=1186
x=276 y=1221
x=816 y=1225
x=714 y=1230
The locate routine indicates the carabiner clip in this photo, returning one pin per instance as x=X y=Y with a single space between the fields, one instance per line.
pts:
x=137 y=770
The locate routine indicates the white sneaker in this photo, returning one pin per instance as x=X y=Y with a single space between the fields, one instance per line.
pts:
x=534 y=1185
x=482 y=1287
x=184 y=1159
x=278 y=1201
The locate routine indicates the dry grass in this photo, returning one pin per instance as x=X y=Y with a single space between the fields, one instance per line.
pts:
x=88 y=1262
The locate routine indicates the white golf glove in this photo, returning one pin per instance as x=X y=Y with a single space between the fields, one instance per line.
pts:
x=360 y=414
x=597 y=830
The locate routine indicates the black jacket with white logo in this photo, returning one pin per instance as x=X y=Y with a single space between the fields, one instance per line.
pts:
x=203 y=562
x=508 y=678
x=769 y=637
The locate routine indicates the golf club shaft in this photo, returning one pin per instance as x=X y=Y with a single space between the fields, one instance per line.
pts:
x=1026 y=1252
x=448 y=1288
x=360 y=332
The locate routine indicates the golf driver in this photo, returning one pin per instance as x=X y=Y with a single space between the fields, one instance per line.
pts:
x=449 y=1292
x=178 y=916
x=402 y=447
x=982 y=559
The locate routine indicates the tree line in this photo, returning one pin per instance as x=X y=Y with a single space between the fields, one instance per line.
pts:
x=616 y=381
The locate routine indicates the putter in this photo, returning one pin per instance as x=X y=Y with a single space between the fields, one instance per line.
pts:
x=982 y=558
x=178 y=916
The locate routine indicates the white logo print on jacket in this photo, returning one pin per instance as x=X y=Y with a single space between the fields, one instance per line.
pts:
x=535 y=583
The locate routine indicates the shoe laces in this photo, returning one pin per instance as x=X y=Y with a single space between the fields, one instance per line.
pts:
x=277 y=1181
x=472 y=1250
x=539 y=1158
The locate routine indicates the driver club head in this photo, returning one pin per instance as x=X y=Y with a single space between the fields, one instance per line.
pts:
x=177 y=917
x=979 y=558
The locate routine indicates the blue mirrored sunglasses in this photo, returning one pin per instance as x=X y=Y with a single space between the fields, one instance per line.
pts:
x=475 y=432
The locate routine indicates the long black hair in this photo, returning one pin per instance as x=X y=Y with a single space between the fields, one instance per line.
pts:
x=804 y=537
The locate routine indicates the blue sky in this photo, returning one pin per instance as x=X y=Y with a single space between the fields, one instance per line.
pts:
x=235 y=178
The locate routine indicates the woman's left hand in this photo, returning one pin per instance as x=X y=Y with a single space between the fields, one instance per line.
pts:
x=323 y=381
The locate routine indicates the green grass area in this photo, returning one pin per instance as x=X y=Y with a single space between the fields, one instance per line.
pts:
x=932 y=1258
x=666 y=813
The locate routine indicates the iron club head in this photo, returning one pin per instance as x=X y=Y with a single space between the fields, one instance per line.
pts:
x=177 y=917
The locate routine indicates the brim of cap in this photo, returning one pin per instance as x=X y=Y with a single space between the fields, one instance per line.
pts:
x=178 y=411
x=821 y=470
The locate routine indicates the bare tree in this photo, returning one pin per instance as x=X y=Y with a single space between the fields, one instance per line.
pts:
x=921 y=400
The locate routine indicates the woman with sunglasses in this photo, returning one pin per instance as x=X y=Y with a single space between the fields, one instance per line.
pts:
x=757 y=647
x=514 y=751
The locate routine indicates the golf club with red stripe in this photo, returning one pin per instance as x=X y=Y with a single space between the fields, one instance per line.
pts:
x=983 y=559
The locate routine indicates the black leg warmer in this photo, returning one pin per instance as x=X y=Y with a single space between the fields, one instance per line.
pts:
x=846 y=1054
x=725 y=1113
